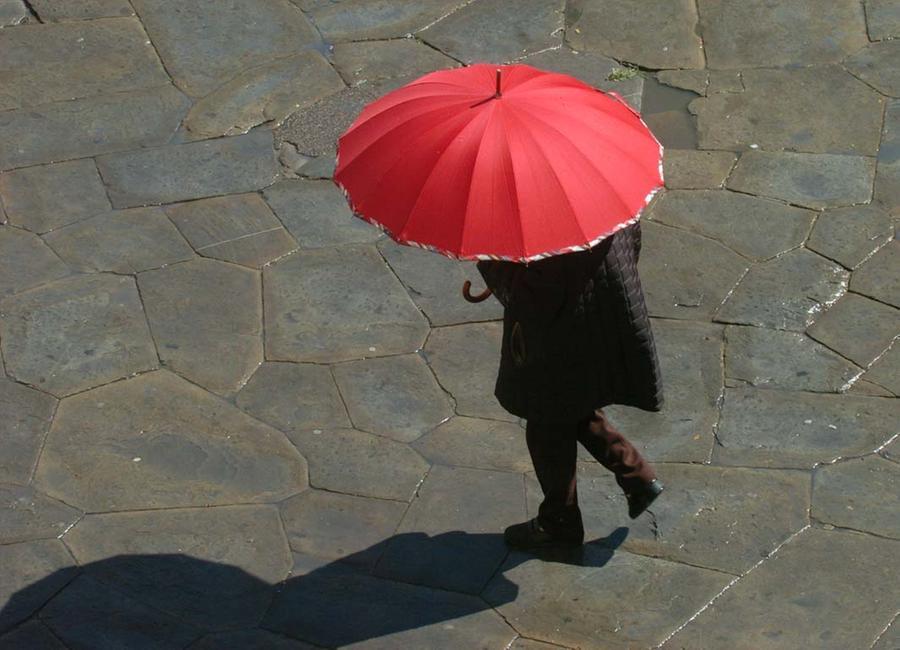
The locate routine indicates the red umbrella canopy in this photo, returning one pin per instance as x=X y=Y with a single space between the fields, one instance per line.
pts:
x=499 y=162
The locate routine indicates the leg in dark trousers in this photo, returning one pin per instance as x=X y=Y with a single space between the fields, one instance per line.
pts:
x=614 y=452
x=553 y=449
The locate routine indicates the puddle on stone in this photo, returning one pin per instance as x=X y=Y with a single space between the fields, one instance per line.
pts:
x=665 y=110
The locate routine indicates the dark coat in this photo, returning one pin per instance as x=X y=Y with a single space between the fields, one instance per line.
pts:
x=576 y=335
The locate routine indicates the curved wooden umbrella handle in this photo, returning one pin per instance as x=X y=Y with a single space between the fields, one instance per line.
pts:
x=481 y=297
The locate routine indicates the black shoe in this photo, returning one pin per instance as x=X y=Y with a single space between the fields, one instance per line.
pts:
x=531 y=534
x=641 y=497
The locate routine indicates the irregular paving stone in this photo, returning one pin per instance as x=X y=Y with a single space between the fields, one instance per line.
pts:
x=801 y=597
x=883 y=19
x=757 y=33
x=228 y=46
x=13 y=12
x=887 y=177
x=850 y=235
x=864 y=387
x=373 y=19
x=755 y=227
x=182 y=568
x=268 y=93
x=255 y=639
x=239 y=229
x=430 y=280
x=43 y=198
x=886 y=370
x=692 y=170
x=786 y=292
x=370 y=60
x=769 y=428
x=316 y=214
x=784 y=360
x=32 y=574
x=294 y=397
x=189 y=171
x=861 y=493
x=461 y=546
x=206 y=318
x=810 y=180
x=76 y=333
x=125 y=241
x=891 y=636
x=90 y=126
x=879 y=277
x=48 y=63
x=396 y=397
x=877 y=66
x=337 y=304
x=362 y=464
x=335 y=526
x=466 y=359
x=694 y=80
x=33 y=634
x=320 y=167
x=316 y=128
x=665 y=111
x=652 y=34
x=766 y=113
x=158 y=441
x=590 y=600
x=858 y=328
x=27 y=515
x=724 y=81
x=26 y=261
x=25 y=416
x=488 y=31
x=529 y=644
x=482 y=444
x=52 y=11
x=685 y=275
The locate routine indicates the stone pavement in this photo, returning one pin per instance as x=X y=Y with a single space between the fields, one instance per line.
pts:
x=234 y=416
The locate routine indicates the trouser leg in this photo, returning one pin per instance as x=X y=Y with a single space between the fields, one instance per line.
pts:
x=553 y=449
x=614 y=451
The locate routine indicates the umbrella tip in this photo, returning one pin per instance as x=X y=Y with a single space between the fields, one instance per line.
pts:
x=497 y=92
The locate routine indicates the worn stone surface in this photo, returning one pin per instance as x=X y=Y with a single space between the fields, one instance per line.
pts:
x=696 y=81
x=32 y=574
x=784 y=360
x=767 y=428
x=124 y=241
x=850 y=235
x=33 y=634
x=189 y=171
x=316 y=128
x=52 y=11
x=724 y=81
x=860 y=493
x=693 y=170
x=25 y=416
x=90 y=126
x=76 y=333
x=316 y=213
x=810 y=180
x=887 y=177
x=255 y=639
x=786 y=292
x=891 y=636
x=685 y=275
x=206 y=319
x=882 y=19
x=47 y=197
x=26 y=261
x=268 y=93
x=802 y=597
x=157 y=441
x=472 y=442
x=877 y=66
x=362 y=464
x=879 y=277
x=373 y=19
x=370 y=60
x=885 y=371
x=858 y=328
x=752 y=226
x=13 y=12
x=337 y=304
x=27 y=515
x=766 y=113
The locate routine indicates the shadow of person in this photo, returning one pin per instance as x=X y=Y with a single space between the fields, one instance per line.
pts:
x=170 y=600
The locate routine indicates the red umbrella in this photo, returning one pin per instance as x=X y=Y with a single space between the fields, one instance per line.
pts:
x=508 y=162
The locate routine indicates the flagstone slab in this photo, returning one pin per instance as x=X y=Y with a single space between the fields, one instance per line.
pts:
x=802 y=597
x=360 y=464
x=877 y=66
x=786 y=292
x=158 y=441
x=336 y=304
x=591 y=600
x=860 y=493
x=887 y=176
x=809 y=180
x=476 y=443
x=886 y=370
x=255 y=639
x=696 y=81
x=768 y=428
x=757 y=33
x=90 y=126
x=53 y=11
x=434 y=283
x=370 y=60
x=13 y=12
x=765 y=113
x=25 y=416
x=883 y=19
x=76 y=334
x=27 y=515
x=879 y=276
x=316 y=213
x=175 y=569
x=317 y=127
x=396 y=397
x=268 y=93
x=32 y=574
x=693 y=170
x=685 y=275
x=26 y=261
x=33 y=634
x=194 y=170
x=850 y=235
x=366 y=20
x=653 y=34
x=47 y=197
x=228 y=46
x=752 y=226
x=444 y=556
x=777 y=359
x=466 y=359
x=122 y=241
x=858 y=328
